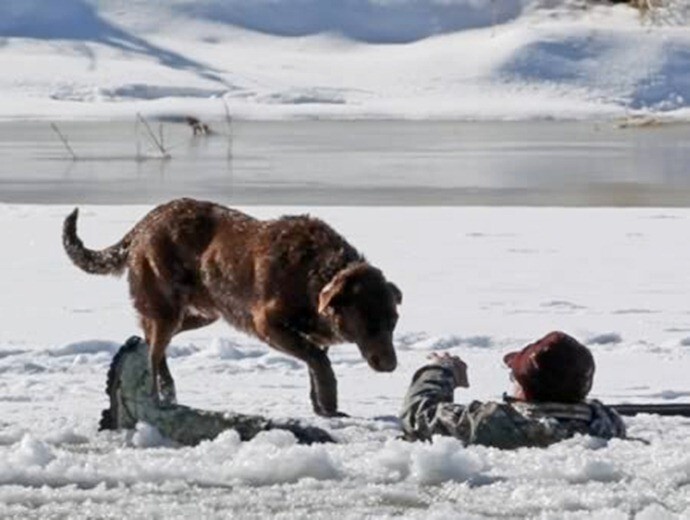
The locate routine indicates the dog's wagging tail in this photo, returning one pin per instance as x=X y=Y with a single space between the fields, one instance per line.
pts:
x=111 y=260
x=293 y=282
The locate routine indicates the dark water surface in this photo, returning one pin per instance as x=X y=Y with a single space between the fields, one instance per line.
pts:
x=351 y=163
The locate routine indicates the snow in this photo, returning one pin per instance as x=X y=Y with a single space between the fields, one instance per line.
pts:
x=276 y=59
x=478 y=282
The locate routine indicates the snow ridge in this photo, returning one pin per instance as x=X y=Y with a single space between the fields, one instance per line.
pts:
x=469 y=59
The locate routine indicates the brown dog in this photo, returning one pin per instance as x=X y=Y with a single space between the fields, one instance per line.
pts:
x=293 y=282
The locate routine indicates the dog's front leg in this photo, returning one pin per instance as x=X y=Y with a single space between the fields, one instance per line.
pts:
x=324 y=386
x=324 y=391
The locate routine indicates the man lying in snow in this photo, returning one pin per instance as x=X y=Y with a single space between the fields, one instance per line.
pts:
x=552 y=378
x=131 y=401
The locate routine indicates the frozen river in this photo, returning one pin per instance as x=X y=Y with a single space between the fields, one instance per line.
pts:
x=351 y=163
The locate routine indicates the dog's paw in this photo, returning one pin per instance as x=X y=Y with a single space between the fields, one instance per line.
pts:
x=167 y=400
x=336 y=413
x=167 y=395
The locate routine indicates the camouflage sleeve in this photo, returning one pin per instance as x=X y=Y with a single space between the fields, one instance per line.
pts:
x=429 y=409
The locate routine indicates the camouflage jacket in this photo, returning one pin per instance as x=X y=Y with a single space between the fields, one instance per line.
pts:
x=429 y=410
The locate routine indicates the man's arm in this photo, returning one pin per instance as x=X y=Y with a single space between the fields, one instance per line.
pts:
x=428 y=408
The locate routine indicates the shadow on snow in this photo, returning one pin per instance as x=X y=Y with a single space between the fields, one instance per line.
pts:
x=78 y=21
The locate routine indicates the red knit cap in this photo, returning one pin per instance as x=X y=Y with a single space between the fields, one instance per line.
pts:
x=555 y=368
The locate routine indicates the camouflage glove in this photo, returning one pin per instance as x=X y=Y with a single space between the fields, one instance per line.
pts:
x=455 y=365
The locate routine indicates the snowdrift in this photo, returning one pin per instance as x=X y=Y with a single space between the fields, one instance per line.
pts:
x=472 y=59
x=373 y=21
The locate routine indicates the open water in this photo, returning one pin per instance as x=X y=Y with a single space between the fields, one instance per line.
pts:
x=350 y=163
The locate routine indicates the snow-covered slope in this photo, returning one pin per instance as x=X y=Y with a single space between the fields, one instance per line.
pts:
x=358 y=58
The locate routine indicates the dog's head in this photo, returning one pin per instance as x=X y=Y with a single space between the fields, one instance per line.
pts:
x=361 y=304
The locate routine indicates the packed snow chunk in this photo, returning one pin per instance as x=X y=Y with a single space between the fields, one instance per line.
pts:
x=85 y=347
x=222 y=448
x=392 y=463
x=278 y=361
x=11 y=435
x=226 y=349
x=147 y=436
x=65 y=436
x=277 y=438
x=609 y=338
x=599 y=471
x=657 y=512
x=273 y=459
x=580 y=469
x=227 y=440
x=445 y=459
x=7 y=352
x=31 y=452
x=452 y=341
x=180 y=351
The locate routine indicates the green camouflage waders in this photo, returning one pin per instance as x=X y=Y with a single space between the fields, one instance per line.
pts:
x=131 y=401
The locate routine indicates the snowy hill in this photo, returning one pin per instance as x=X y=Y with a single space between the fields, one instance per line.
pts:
x=483 y=59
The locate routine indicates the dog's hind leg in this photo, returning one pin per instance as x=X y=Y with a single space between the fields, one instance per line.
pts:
x=158 y=336
x=157 y=298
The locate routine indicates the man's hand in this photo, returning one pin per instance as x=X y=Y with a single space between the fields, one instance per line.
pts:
x=453 y=363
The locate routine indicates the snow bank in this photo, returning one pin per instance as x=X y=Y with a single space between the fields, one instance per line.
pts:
x=31 y=452
x=226 y=349
x=274 y=457
x=86 y=347
x=372 y=21
x=271 y=458
x=473 y=59
x=147 y=436
x=444 y=460
x=66 y=19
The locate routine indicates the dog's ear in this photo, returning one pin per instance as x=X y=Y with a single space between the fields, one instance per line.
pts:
x=332 y=294
x=397 y=293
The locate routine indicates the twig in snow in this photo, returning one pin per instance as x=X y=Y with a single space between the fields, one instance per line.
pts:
x=159 y=145
x=139 y=156
x=228 y=123
x=64 y=141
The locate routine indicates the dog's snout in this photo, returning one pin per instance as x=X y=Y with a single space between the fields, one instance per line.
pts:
x=385 y=364
x=375 y=361
x=389 y=365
